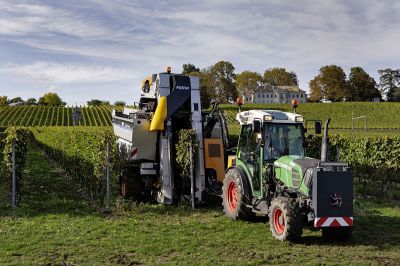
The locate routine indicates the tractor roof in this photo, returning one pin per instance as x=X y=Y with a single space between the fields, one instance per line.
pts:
x=274 y=116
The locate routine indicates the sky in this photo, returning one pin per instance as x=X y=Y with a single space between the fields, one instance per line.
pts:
x=102 y=49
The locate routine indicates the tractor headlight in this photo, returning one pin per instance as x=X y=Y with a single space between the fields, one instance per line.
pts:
x=268 y=118
x=299 y=119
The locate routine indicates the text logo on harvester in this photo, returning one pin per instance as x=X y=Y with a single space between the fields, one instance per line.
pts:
x=183 y=88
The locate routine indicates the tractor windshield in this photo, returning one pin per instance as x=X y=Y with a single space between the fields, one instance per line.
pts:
x=283 y=139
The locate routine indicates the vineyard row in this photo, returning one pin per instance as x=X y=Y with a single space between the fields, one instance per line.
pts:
x=53 y=116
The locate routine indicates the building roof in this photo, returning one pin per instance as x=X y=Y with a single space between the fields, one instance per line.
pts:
x=270 y=89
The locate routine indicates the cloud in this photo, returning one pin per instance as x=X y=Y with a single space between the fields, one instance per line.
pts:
x=45 y=21
x=49 y=72
x=115 y=40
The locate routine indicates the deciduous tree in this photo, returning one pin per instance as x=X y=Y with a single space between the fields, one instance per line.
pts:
x=280 y=77
x=3 y=100
x=224 y=76
x=16 y=100
x=330 y=84
x=389 y=83
x=189 y=69
x=248 y=81
x=120 y=103
x=96 y=102
x=31 y=101
x=361 y=86
x=52 y=99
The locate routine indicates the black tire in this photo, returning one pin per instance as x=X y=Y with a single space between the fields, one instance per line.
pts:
x=285 y=219
x=235 y=196
x=333 y=234
x=131 y=185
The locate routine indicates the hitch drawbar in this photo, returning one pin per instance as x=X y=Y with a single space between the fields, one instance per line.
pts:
x=333 y=197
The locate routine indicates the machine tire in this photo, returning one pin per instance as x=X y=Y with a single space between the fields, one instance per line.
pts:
x=131 y=185
x=337 y=233
x=285 y=219
x=235 y=196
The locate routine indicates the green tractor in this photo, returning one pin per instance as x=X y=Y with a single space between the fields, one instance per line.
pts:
x=271 y=175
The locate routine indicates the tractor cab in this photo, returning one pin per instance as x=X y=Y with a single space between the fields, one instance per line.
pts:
x=283 y=139
x=272 y=133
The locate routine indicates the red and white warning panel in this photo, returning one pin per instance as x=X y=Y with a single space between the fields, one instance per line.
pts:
x=134 y=152
x=333 y=221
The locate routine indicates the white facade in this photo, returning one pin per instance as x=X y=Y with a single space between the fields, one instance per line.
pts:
x=276 y=94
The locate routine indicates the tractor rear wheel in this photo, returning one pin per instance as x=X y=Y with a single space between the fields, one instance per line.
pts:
x=337 y=233
x=285 y=219
x=235 y=196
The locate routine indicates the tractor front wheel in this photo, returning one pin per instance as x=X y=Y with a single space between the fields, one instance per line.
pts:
x=235 y=196
x=285 y=219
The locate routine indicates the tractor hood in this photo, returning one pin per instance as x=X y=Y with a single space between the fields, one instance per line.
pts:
x=296 y=172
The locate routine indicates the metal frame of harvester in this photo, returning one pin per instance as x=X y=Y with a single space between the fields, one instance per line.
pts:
x=147 y=135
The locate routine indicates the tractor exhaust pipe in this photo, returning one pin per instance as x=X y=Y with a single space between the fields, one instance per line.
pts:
x=325 y=143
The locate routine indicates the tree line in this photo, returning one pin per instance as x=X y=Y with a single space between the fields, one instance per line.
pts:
x=50 y=99
x=331 y=84
x=220 y=82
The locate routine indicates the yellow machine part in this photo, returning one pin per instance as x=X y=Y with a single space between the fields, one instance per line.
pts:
x=214 y=157
x=230 y=160
x=160 y=115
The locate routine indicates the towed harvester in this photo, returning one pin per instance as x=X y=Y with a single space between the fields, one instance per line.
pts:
x=147 y=135
x=268 y=175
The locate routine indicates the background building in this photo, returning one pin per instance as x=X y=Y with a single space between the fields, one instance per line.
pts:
x=276 y=94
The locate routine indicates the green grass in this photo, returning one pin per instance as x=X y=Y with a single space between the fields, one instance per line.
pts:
x=55 y=225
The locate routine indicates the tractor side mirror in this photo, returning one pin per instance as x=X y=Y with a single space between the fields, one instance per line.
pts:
x=256 y=126
x=318 y=127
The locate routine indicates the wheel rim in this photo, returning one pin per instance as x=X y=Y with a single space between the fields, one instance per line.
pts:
x=279 y=221
x=232 y=196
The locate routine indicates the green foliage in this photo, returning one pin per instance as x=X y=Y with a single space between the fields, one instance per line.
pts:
x=81 y=151
x=186 y=138
x=120 y=103
x=330 y=84
x=18 y=136
x=31 y=101
x=373 y=159
x=16 y=100
x=389 y=83
x=53 y=116
x=247 y=82
x=95 y=102
x=3 y=100
x=224 y=81
x=188 y=69
x=280 y=77
x=51 y=99
x=361 y=86
x=55 y=225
